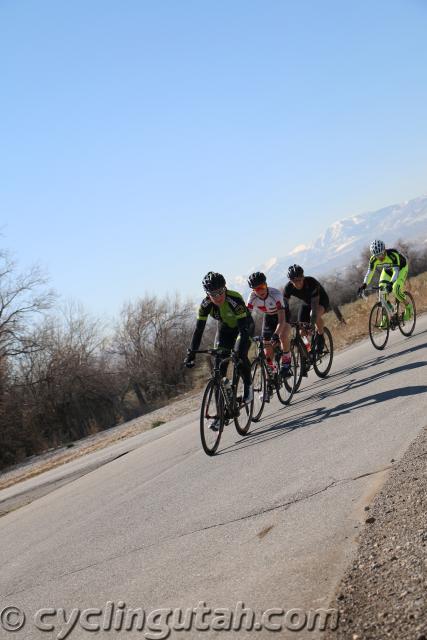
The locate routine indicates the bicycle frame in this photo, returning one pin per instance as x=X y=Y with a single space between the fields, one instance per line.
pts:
x=303 y=326
x=260 y=342
x=387 y=306
x=219 y=360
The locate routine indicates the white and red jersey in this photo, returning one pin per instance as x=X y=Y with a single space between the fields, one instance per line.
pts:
x=272 y=303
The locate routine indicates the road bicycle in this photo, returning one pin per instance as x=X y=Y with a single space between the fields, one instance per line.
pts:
x=267 y=380
x=305 y=346
x=223 y=401
x=386 y=316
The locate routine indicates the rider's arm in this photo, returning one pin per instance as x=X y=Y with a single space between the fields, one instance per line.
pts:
x=287 y=293
x=243 y=325
x=398 y=262
x=395 y=274
x=286 y=308
x=371 y=270
x=202 y=316
x=314 y=307
x=197 y=335
x=335 y=308
x=281 y=317
x=250 y=301
x=314 y=298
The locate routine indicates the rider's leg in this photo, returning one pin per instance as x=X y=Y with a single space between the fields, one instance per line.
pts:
x=399 y=285
x=385 y=278
x=284 y=334
x=269 y=325
x=320 y=325
x=225 y=339
x=244 y=366
x=304 y=316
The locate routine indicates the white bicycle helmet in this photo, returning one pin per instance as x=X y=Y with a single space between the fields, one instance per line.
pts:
x=377 y=247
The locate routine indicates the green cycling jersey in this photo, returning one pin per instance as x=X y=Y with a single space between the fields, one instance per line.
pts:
x=392 y=263
x=229 y=312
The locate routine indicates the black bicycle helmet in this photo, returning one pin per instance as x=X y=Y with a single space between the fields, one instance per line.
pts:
x=295 y=271
x=256 y=278
x=213 y=281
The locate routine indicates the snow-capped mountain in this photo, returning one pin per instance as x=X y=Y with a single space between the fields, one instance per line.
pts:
x=342 y=243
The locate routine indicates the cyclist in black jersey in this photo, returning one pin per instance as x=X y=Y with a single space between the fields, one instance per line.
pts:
x=234 y=320
x=315 y=300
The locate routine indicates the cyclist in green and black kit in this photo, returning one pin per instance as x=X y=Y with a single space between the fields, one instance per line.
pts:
x=394 y=272
x=234 y=319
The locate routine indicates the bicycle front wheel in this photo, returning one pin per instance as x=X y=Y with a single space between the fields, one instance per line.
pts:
x=379 y=326
x=211 y=417
x=322 y=360
x=406 y=326
x=285 y=387
x=242 y=412
x=259 y=381
x=298 y=358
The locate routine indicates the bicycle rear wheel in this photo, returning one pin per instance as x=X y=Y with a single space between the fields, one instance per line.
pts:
x=242 y=412
x=406 y=326
x=212 y=409
x=379 y=326
x=259 y=381
x=322 y=360
x=285 y=387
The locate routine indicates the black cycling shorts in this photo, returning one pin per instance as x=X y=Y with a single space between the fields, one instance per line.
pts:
x=226 y=336
x=226 y=339
x=305 y=309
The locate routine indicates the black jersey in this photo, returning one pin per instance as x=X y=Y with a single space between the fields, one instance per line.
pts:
x=311 y=289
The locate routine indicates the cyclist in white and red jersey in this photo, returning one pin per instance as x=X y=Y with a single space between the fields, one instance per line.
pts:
x=269 y=301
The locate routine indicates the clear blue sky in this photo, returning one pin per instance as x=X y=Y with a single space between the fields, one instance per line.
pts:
x=144 y=143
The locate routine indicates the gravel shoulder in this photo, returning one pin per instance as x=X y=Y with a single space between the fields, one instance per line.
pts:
x=383 y=593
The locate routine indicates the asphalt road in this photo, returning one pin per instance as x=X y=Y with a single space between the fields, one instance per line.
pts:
x=271 y=521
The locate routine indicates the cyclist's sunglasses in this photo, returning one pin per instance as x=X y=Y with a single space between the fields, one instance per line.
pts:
x=217 y=294
x=261 y=287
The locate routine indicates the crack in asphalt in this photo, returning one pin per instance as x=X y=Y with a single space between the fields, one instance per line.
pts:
x=254 y=514
x=373 y=473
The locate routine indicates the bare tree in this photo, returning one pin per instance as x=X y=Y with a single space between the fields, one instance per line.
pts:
x=22 y=297
x=67 y=385
x=151 y=340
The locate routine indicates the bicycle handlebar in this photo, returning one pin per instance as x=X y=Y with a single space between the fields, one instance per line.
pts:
x=226 y=354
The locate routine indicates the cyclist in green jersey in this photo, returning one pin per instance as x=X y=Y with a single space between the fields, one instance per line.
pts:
x=394 y=272
x=234 y=320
